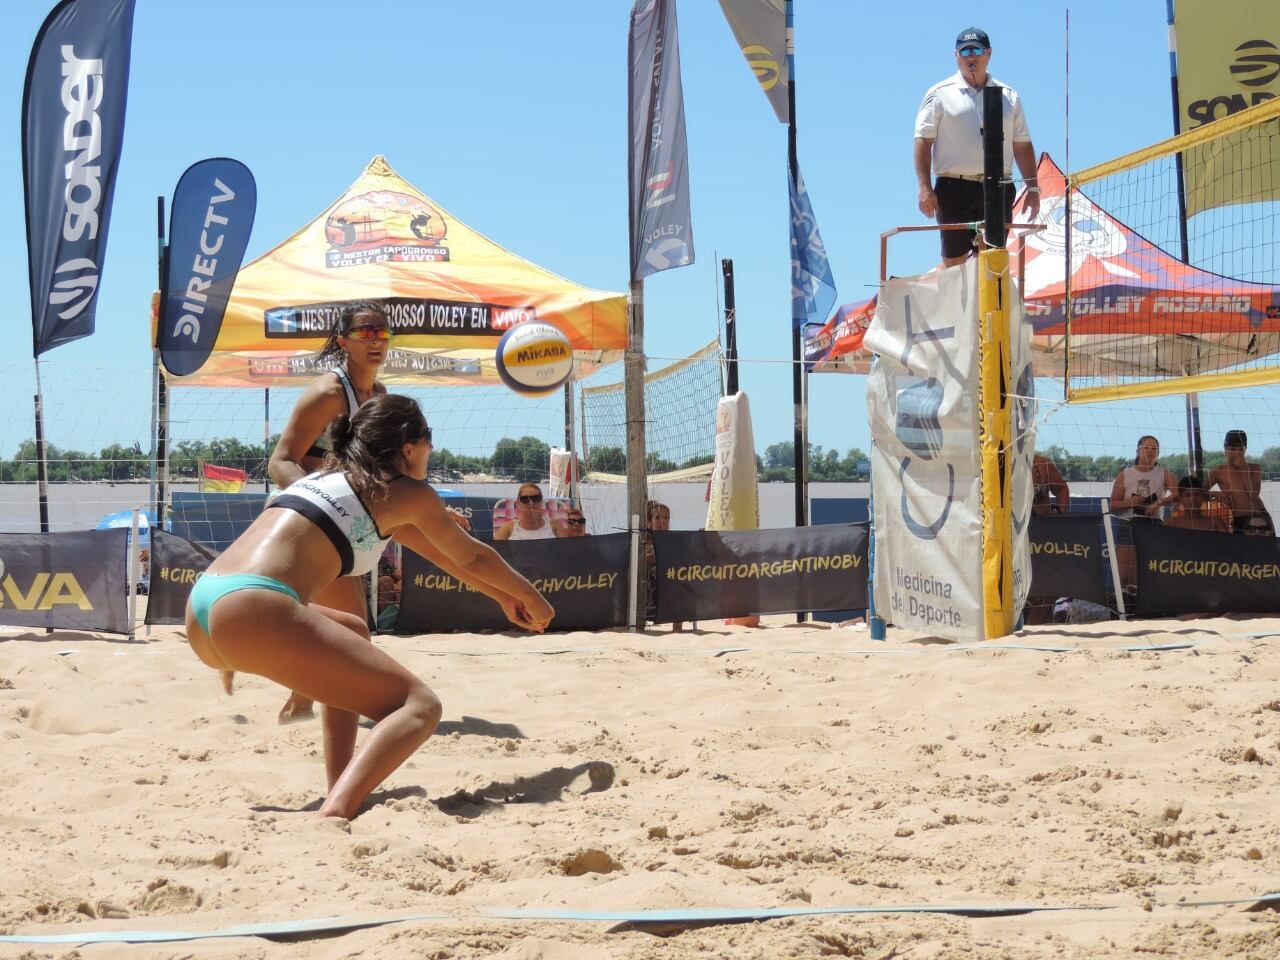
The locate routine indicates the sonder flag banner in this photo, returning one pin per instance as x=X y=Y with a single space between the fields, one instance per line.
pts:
x=66 y=581
x=209 y=227
x=813 y=289
x=760 y=27
x=661 y=228
x=72 y=127
x=1228 y=60
x=925 y=467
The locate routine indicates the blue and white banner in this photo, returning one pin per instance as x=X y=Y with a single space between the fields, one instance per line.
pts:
x=209 y=227
x=813 y=288
x=661 y=226
x=73 y=110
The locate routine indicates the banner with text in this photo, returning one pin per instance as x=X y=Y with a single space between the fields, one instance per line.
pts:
x=705 y=575
x=1228 y=58
x=73 y=108
x=1066 y=557
x=67 y=581
x=213 y=210
x=175 y=565
x=1195 y=571
x=661 y=225
x=583 y=578
x=925 y=466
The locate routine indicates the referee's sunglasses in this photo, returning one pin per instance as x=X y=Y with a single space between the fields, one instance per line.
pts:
x=972 y=51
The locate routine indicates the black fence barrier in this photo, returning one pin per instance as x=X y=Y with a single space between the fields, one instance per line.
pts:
x=175 y=564
x=1067 y=557
x=1197 y=571
x=584 y=578
x=703 y=575
x=66 y=581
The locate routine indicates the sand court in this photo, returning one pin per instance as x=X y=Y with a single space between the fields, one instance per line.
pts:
x=790 y=768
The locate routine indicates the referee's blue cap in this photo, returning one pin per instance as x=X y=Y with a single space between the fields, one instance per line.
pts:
x=973 y=35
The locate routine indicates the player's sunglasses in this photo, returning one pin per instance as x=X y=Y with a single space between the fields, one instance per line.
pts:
x=577 y=521
x=972 y=51
x=426 y=435
x=368 y=331
x=530 y=498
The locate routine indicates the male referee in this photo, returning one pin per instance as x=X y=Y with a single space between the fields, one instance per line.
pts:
x=949 y=141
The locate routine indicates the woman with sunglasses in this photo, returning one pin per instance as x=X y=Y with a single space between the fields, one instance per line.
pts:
x=255 y=609
x=356 y=350
x=531 y=522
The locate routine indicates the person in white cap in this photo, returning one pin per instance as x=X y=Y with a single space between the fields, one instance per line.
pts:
x=948 y=143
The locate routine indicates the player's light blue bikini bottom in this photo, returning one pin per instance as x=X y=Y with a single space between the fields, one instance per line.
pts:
x=212 y=587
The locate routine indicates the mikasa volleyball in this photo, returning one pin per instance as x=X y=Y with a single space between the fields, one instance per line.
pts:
x=534 y=358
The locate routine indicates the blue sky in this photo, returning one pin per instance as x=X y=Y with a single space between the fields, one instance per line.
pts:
x=512 y=115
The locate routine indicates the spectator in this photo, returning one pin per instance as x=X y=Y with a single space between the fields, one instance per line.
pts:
x=575 y=523
x=1191 y=513
x=1048 y=483
x=1139 y=494
x=531 y=522
x=1241 y=486
x=1145 y=488
x=657 y=517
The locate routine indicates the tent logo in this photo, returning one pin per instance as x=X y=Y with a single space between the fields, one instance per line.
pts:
x=384 y=226
x=1258 y=63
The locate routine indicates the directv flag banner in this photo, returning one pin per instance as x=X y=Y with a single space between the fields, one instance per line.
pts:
x=661 y=228
x=212 y=216
x=175 y=565
x=760 y=27
x=813 y=289
x=583 y=578
x=65 y=581
x=703 y=575
x=925 y=466
x=73 y=109
x=1228 y=60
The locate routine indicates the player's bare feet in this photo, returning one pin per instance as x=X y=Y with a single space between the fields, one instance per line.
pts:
x=296 y=708
x=228 y=681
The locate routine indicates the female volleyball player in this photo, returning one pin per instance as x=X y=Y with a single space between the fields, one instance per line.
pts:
x=254 y=609
x=357 y=349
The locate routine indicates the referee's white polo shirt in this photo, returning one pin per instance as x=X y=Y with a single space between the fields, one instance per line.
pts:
x=951 y=116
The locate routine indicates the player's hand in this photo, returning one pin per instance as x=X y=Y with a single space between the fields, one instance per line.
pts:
x=458 y=517
x=928 y=202
x=535 y=617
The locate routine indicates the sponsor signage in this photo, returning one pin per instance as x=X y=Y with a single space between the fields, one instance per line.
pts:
x=760 y=27
x=73 y=109
x=385 y=226
x=66 y=581
x=661 y=225
x=209 y=227
x=583 y=578
x=1196 y=571
x=703 y=575
x=176 y=563
x=1066 y=557
x=407 y=316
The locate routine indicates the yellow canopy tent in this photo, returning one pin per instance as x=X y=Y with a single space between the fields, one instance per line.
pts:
x=450 y=294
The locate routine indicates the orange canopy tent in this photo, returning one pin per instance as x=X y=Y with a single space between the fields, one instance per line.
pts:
x=450 y=294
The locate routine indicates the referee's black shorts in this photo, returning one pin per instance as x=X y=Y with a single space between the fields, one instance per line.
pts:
x=960 y=201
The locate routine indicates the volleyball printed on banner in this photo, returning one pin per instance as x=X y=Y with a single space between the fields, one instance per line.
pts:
x=534 y=358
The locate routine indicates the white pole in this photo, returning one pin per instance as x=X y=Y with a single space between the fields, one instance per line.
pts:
x=1115 y=562
x=133 y=572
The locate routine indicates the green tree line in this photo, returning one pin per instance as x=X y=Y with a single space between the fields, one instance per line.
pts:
x=523 y=459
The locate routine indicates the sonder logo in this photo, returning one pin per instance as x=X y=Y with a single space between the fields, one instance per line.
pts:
x=764 y=64
x=1258 y=63
x=78 y=284
x=82 y=90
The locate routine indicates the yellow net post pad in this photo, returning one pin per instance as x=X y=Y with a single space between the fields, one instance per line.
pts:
x=995 y=421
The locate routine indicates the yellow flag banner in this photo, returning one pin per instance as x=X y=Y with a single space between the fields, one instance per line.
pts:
x=449 y=292
x=1228 y=60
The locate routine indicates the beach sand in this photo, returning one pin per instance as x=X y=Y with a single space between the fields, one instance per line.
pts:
x=791 y=766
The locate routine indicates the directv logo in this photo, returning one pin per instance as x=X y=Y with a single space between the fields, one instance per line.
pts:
x=282 y=320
